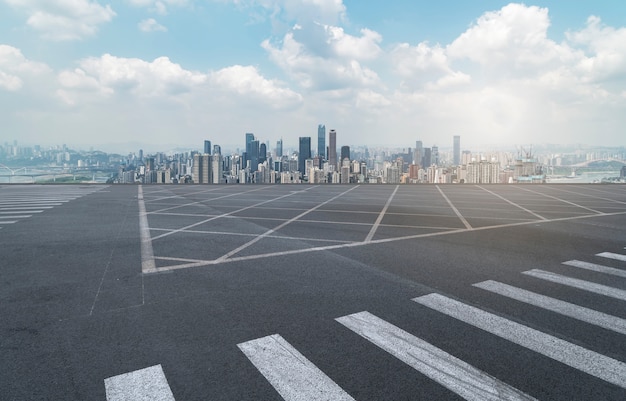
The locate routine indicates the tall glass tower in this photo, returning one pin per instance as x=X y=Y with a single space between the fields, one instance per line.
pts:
x=321 y=141
x=456 y=141
x=304 y=153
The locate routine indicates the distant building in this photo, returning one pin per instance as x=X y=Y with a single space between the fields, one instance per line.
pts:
x=418 y=153
x=345 y=153
x=483 y=172
x=207 y=147
x=304 y=153
x=456 y=150
x=279 y=148
x=332 y=149
x=321 y=141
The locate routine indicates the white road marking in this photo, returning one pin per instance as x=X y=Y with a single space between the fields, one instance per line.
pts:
x=13 y=216
x=19 y=211
x=26 y=207
x=381 y=215
x=447 y=370
x=596 y=268
x=576 y=283
x=8 y=221
x=590 y=362
x=513 y=203
x=289 y=372
x=456 y=211
x=561 y=200
x=610 y=255
x=149 y=384
x=273 y=230
x=556 y=305
x=147 y=254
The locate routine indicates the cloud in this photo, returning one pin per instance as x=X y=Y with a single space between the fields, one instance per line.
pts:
x=287 y=11
x=150 y=25
x=64 y=20
x=327 y=58
x=15 y=68
x=159 y=6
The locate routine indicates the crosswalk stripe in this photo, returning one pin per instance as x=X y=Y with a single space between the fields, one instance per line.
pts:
x=449 y=371
x=577 y=283
x=587 y=315
x=611 y=255
x=289 y=372
x=149 y=384
x=595 y=267
x=593 y=363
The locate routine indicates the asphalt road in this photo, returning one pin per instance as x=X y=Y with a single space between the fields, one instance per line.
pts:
x=371 y=292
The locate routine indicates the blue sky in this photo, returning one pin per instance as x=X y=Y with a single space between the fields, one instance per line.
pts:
x=171 y=73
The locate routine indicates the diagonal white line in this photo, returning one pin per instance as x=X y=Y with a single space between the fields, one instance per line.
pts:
x=611 y=255
x=226 y=214
x=513 y=203
x=556 y=305
x=205 y=200
x=596 y=268
x=273 y=230
x=590 y=362
x=447 y=370
x=561 y=200
x=576 y=283
x=289 y=372
x=456 y=211
x=149 y=384
x=381 y=215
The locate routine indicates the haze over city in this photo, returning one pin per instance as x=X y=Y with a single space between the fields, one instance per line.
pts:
x=171 y=73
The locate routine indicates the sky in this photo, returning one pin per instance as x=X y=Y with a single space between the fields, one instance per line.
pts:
x=165 y=74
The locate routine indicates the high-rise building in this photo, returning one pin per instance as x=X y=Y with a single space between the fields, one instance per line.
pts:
x=304 y=153
x=217 y=149
x=345 y=153
x=279 y=148
x=456 y=146
x=207 y=147
x=426 y=158
x=262 y=153
x=418 y=153
x=434 y=155
x=253 y=155
x=201 y=170
x=321 y=141
x=332 y=148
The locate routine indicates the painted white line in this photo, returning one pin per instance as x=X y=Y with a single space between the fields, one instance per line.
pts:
x=513 y=203
x=24 y=216
x=447 y=370
x=273 y=230
x=561 y=200
x=610 y=255
x=556 y=305
x=147 y=254
x=149 y=384
x=456 y=211
x=593 y=363
x=596 y=268
x=224 y=214
x=206 y=200
x=576 y=283
x=8 y=222
x=381 y=215
x=26 y=207
x=20 y=211
x=289 y=372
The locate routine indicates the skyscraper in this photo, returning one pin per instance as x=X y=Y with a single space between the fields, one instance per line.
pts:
x=345 y=153
x=434 y=155
x=321 y=141
x=456 y=140
x=262 y=153
x=279 y=148
x=304 y=153
x=426 y=159
x=207 y=147
x=332 y=148
x=253 y=155
x=418 y=154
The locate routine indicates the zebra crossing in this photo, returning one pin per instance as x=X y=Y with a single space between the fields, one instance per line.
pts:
x=25 y=201
x=294 y=377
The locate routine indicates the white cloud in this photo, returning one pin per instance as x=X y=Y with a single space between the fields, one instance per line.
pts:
x=15 y=68
x=150 y=25
x=61 y=20
x=328 y=61
x=159 y=6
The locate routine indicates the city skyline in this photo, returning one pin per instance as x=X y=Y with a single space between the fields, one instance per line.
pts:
x=167 y=74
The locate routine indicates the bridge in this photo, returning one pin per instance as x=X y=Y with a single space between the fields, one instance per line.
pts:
x=588 y=163
x=33 y=172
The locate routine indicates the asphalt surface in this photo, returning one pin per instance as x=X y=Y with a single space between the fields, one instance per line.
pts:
x=233 y=292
